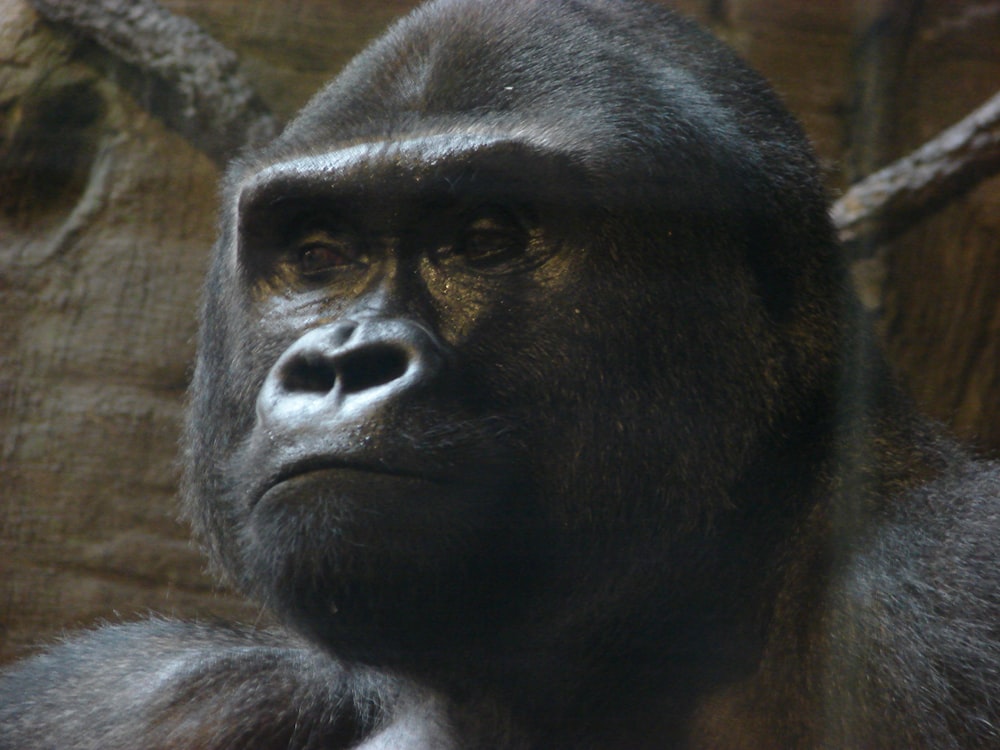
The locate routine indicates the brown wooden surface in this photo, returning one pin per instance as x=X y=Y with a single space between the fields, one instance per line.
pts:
x=106 y=216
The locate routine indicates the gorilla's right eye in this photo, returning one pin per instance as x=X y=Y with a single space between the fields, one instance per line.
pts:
x=492 y=240
x=319 y=253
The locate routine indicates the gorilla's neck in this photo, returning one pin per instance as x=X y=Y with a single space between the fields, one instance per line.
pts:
x=878 y=452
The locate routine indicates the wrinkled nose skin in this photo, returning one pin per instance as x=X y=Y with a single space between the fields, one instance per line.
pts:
x=346 y=372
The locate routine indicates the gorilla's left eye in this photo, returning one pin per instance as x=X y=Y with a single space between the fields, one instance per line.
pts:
x=491 y=240
x=321 y=252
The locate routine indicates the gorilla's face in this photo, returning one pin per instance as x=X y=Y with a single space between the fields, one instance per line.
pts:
x=423 y=304
x=478 y=360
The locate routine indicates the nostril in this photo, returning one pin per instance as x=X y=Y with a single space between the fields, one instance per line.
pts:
x=350 y=371
x=310 y=375
x=371 y=366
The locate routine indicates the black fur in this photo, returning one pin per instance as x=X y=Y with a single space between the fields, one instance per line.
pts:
x=531 y=395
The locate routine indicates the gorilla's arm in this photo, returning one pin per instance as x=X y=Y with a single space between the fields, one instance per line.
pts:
x=160 y=684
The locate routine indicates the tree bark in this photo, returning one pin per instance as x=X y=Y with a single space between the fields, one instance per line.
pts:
x=884 y=205
x=205 y=97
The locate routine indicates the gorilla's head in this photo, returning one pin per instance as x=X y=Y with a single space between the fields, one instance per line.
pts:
x=509 y=342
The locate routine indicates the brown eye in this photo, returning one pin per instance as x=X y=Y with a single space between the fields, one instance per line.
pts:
x=322 y=253
x=491 y=240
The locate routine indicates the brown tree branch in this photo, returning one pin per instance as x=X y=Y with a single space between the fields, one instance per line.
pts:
x=204 y=96
x=891 y=200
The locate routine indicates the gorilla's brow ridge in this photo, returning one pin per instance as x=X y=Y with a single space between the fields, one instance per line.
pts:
x=407 y=160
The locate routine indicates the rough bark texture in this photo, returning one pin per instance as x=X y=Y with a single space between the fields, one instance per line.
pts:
x=195 y=82
x=106 y=215
x=104 y=218
x=887 y=203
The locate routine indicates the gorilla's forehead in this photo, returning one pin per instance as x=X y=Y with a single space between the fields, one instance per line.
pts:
x=627 y=110
x=536 y=73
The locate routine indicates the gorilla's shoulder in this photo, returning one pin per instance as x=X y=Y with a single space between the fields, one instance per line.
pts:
x=186 y=684
x=949 y=528
x=938 y=542
x=918 y=611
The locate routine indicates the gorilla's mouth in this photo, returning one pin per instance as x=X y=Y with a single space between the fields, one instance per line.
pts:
x=332 y=471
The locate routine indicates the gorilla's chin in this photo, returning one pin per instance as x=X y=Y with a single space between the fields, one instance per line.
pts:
x=357 y=557
x=360 y=520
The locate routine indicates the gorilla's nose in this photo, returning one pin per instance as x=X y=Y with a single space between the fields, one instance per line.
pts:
x=348 y=369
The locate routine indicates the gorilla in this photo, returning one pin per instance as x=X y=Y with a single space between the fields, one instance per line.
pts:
x=531 y=397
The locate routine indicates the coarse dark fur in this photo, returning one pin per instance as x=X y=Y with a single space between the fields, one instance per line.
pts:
x=531 y=396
